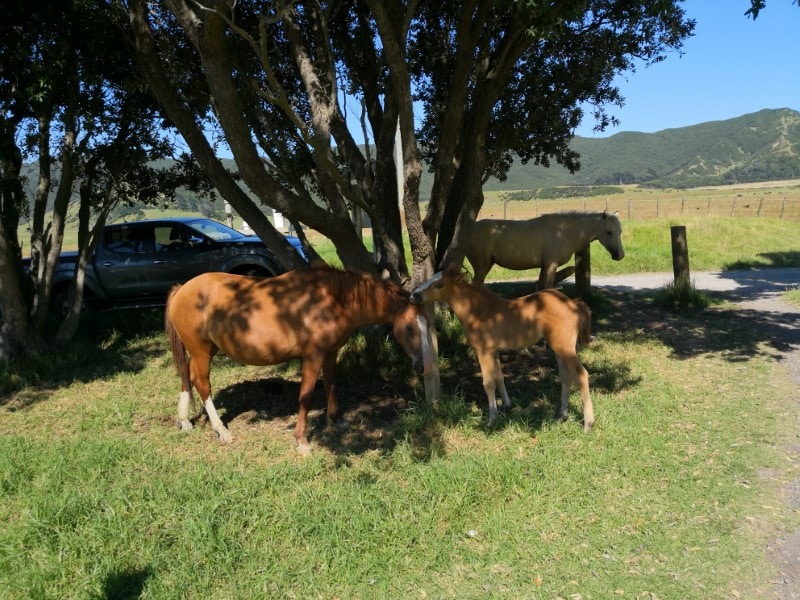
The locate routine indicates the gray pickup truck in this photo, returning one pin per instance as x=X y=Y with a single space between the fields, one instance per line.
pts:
x=135 y=264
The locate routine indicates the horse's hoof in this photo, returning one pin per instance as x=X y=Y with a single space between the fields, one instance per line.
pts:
x=587 y=427
x=304 y=449
x=224 y=436
x=185 y=425
x=337 y=424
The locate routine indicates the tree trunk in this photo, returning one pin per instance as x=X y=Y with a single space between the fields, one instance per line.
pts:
x=17 y=337
x=220 y=178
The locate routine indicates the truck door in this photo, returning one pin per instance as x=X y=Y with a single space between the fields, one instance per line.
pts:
x=122 y=262
x=181 y=253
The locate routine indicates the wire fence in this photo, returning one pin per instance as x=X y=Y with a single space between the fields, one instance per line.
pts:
x=767 y=206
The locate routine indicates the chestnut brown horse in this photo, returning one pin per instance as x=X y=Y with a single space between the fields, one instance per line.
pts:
x=548 y=242
x=492 y=323
x=307 y=314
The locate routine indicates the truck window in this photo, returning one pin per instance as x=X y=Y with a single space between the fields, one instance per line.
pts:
x=128 y=241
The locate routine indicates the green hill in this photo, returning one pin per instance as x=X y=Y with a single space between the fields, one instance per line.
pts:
x=762 y=146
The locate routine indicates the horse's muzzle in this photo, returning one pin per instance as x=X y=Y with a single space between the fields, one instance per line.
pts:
x=618 y=255
x=415 y=298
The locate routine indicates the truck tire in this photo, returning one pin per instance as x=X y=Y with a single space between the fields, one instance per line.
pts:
x=59 y=303
x=252 y=271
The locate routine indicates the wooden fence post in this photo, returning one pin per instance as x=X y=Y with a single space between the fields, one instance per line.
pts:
x=583 y=271
x=680 y=253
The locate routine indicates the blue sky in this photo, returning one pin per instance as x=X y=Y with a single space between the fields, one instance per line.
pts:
x=730 y=67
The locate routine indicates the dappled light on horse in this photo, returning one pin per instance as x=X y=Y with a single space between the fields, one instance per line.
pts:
x=547 y=242
x=492 y=323
x=307 y=314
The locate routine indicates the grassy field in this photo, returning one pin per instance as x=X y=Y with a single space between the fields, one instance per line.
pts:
x=715 y=243
x=771 y=199
x=793 y=296
x=674 y=494
x=728 y=227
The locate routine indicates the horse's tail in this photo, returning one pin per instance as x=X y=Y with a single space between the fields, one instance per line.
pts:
x=176 y=345
x=584 y=323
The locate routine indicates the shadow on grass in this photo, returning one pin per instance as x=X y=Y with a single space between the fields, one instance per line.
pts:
x=380 y=396
x=737 y=333
x=125 y=585
x=110 y=343
x=371 y=410
x=382 y=411
x=767 y=260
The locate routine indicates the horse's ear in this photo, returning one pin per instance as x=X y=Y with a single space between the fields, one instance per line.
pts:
x=452 y=270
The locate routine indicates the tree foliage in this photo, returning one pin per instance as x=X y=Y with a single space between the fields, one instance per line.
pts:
x=470 y=84
x=72 y=102
x=309 y=97
x=756 y=6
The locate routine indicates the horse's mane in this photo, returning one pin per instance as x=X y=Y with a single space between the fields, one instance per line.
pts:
x=355 y=288
x=465 y=277
x=579 y=213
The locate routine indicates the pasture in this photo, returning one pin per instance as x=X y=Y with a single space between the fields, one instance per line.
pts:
x=673 y=494
x=769 y=199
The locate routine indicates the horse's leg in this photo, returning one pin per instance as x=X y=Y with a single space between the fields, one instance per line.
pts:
x=562 y=274
x=566 y=385
x=571 y=370
x=184 y=400
x=501 y=383
x=182 y=363
x=216 y=423
x=310 y=374
x=487 y=362
x=547 y=275
x=582 y=379
x=329 y=380
x=200 y=368
x=480 y=267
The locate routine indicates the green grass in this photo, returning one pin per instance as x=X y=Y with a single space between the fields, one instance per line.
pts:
x=103 y=497
x=715 y=244
x=793 y=296
x=674 y=494
x=681 y=295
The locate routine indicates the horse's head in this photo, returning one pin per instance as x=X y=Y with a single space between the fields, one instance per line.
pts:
x=410 y=328
x=436 y=288
x=610 y=235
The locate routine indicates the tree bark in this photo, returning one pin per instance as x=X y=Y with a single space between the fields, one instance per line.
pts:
x=208 y=37
x=184 y=121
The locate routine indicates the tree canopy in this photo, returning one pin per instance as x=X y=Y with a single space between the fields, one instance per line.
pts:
x=294 y=86
x=70 y=101
x=309 y=96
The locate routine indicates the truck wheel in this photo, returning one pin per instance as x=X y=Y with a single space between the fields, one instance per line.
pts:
x=252 y=271
x=59 y=305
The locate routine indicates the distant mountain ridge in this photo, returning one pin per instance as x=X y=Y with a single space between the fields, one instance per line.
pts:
x=761 y=146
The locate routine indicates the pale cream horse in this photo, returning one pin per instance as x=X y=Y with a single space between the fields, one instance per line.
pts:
x=492 y=323
x=547 y=242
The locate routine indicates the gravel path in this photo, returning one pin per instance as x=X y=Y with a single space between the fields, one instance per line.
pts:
x=756 y=290
x=744 y=286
